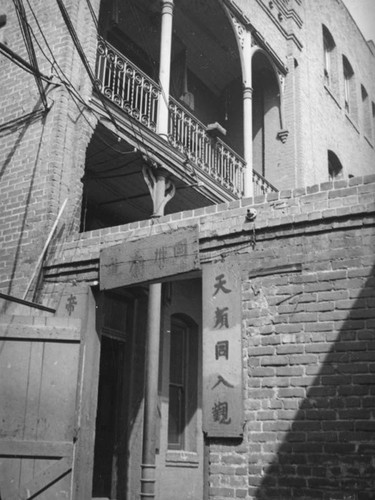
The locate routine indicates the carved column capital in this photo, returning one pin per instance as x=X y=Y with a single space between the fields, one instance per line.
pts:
x=282 y=135
x=247 y=92
x=167 y=6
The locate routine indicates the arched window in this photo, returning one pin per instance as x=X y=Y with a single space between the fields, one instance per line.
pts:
x=349 y=89
x=183 y=383
x=366 y=112
x=329 y=61
x=335 y=170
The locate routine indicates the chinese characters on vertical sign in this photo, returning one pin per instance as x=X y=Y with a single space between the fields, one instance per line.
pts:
x=222 y=353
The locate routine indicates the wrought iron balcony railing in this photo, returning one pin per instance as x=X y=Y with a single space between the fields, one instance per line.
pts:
x=129 y=88
x=190 y=136
x=126 y=85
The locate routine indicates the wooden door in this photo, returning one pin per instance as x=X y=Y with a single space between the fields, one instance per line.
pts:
x=39 y=358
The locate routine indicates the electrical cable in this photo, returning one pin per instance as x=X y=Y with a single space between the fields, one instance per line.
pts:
x=66 y=82
x=96 y=175
x=151 y=60
x=91 y=74
x=95 y=19
x=21 y=63
x=12 y=125
x=75 y=95
x=83 y=57
x=113 y=169
x=21 y=14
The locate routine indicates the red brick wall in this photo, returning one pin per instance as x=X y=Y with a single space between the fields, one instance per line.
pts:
x=310 y=354
x=323 y=122
x=41 y=153
x=42 y=160
x=308 y=336
x=314 y=116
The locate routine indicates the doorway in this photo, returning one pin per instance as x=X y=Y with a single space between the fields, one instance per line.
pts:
x=180 y=462
x=109 y=453
x=118 y=325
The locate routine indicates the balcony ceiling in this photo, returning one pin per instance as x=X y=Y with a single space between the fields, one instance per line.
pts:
x=115 y=190
x=199 y=26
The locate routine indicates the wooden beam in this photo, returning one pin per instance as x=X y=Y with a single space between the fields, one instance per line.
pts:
x=21 y=331
x=149 y=259
x=46 y=478
x=43 y=449
x=27 y=303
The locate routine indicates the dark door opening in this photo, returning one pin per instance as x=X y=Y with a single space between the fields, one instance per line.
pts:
x=111 y=428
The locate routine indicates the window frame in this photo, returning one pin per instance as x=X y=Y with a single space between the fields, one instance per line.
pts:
x=186 y=425
x=335 y=168
x=366 y=113
x=350 y=91
x=329 y=47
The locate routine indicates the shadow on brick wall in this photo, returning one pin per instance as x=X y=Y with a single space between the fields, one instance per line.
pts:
x=329 y=450
x=21 y=126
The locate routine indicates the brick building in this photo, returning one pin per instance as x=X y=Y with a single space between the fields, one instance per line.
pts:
x=187 y=233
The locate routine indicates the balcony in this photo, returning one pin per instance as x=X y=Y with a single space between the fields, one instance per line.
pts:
x=136 y=94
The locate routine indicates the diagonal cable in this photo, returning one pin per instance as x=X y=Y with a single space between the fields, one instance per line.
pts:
x=82 y=56
x=21 y=14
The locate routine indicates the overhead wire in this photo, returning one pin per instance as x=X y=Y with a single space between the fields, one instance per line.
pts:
x=75 y=95
x=86 y=64
x=139 y=129
x=82 y=55
x=12 y=125
x=21 y=63
x=21 y=14
x=65 y=80
x=93 y=15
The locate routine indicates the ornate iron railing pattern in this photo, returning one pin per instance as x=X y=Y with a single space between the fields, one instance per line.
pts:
x=126 y=85
x=261 y=185
x=189 y=135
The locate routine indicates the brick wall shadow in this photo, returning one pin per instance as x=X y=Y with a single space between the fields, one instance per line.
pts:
x=23 y=124
x=327 y=450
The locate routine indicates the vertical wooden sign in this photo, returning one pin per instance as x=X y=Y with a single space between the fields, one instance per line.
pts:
x=222 y=350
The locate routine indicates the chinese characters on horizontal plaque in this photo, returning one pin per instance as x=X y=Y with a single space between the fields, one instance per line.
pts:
x=149 y=258
x=222 y=352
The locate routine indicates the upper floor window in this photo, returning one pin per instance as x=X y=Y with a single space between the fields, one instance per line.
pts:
x=335 y=170
x=366 y=112
x=349 y=88
x=329 y=52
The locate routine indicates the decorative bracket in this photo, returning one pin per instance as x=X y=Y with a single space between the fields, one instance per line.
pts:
x=240 y=31
x=161 y=189
x=282 y=135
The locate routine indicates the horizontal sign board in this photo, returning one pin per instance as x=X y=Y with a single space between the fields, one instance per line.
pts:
x=150 y=258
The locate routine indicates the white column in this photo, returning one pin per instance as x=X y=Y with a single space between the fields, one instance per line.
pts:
x=248 y=139
x=247 y=113
x=161 y=190
x=165 y=66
